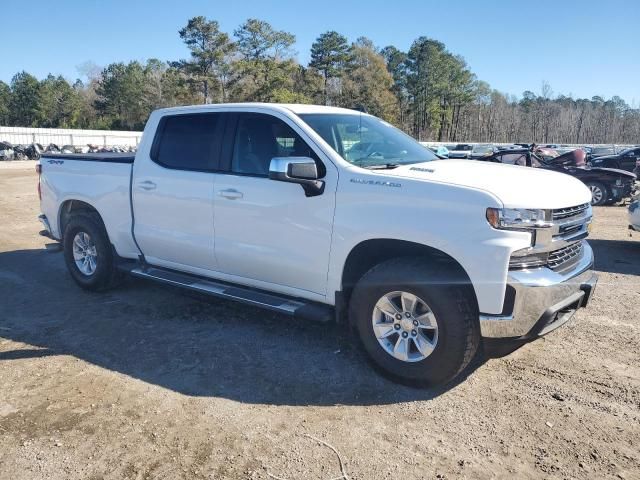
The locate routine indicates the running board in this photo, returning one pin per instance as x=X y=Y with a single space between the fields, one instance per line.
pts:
x=293 y=307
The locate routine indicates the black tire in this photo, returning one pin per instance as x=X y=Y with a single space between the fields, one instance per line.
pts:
x=105 y=274
x=451 y=300
x=604 y=196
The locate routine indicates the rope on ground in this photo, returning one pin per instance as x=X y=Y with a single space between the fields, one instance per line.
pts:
x=343 y=470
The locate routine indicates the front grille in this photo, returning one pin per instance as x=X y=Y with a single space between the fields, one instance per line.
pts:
x=561 y=213
x=566 y=257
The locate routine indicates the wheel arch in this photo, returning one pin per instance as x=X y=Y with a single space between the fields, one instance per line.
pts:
x=369 y=253
x=72 y=207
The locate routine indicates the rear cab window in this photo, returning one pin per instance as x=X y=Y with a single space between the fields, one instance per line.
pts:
x=188 y=142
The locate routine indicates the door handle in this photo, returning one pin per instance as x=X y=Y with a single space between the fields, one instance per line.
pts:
x=231 y=194
x=147 y=185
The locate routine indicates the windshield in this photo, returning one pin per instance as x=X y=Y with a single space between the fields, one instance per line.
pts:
x=482 y=149
x=367 y=141
x=603 y=151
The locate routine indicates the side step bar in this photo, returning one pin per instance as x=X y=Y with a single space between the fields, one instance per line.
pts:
x=293 y=307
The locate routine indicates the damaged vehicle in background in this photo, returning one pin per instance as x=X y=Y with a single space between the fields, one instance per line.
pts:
x=607 y=185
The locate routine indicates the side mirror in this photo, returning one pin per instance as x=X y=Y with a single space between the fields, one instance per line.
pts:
x=300 y=170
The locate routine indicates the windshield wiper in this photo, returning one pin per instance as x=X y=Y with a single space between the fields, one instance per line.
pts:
x=386 y=166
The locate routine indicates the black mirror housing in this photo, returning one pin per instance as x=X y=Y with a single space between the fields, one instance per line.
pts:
x=303 y=170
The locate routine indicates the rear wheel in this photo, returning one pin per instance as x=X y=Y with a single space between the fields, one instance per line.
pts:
x=88 y=253
x=417 y=322
x=599 y=193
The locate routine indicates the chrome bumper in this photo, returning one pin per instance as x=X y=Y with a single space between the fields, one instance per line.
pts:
x=543 y=300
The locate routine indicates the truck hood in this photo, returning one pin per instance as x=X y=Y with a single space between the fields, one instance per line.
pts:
x=514 y=186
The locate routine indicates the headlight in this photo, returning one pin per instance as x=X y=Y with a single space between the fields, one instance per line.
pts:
x=518 y=218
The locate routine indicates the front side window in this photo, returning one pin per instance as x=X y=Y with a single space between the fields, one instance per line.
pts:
x=259 y=138
x=187 y=142
x=367 y=141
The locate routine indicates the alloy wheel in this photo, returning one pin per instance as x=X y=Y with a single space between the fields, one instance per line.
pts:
x=85 y=254
x=405 y=326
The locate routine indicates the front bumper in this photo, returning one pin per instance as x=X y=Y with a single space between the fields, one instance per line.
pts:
x=542 y=300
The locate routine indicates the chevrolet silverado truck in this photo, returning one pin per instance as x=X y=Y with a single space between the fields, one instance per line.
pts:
x=330 y=214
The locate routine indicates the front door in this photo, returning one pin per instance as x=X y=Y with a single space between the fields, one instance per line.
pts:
x=268 y=233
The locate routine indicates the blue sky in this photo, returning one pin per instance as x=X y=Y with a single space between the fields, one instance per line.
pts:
x=583 y=48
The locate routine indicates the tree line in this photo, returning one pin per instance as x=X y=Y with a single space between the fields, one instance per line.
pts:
x=427 y=91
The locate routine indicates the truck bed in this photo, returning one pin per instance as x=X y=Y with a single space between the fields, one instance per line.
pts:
x=92 y=157
x=101 y=180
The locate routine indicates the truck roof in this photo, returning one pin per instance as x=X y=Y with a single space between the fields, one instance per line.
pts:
x=297 y=108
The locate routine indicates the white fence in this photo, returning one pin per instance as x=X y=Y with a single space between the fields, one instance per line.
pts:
x=67 y=136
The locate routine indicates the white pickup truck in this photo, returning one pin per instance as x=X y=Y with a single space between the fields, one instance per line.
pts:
x=330 y=214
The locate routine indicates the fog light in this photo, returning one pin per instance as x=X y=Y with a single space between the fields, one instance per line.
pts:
x=524 y=261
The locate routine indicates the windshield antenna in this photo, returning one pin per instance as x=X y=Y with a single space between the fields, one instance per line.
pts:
x=360 y=127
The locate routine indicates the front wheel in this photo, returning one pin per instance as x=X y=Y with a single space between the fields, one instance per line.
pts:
x=599 y=193
x=416 y=321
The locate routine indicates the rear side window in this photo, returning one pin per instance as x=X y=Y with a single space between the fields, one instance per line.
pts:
x=188 y=142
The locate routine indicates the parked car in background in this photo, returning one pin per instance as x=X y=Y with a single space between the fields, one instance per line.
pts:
x=607 y=185
x=460 y=150
x=594 y=152
x=440 y=150
x=324 y=213
x=625 y=160
x=482 y=150
x=508 y=147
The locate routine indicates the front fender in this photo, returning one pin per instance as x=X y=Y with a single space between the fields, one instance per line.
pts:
x=444 y=217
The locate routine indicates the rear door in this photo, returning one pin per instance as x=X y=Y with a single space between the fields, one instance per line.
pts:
x=268 y=233
x=172 y=192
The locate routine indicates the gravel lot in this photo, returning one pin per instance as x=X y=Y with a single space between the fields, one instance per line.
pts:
x=150 y=382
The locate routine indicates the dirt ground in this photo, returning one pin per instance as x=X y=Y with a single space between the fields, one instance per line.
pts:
x=150 y=382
